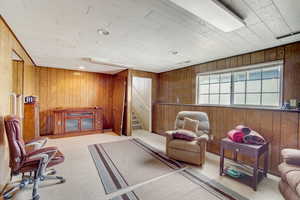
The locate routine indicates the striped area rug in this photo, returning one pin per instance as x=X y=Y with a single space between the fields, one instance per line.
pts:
x=151 y=174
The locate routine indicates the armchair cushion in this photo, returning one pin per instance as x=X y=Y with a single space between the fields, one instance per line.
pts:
x=188 y=146
x=291 y=156
x=190 y=124
x=290 y=174
x=184 y=135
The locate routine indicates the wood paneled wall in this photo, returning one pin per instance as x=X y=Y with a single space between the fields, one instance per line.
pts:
x=278 y=127
x=18 y=72
x=178 y=86
x=9 y=43
x=67 y=88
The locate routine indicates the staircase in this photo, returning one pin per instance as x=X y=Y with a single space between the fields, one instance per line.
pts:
x=136 y=122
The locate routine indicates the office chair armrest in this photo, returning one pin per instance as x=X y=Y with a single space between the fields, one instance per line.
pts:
x=49 y=151
x=45 y=155
x=39 y=142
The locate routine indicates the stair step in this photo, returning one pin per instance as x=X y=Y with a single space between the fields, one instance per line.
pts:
x=135 y=119
x=135 y=128
x=136 y=123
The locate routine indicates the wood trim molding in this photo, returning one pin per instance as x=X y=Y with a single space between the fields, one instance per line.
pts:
x=12 y=32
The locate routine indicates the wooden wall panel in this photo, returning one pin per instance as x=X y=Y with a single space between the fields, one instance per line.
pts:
x=66 y=88
x=18 y=72
x=289 y=130
x=292 y=71
x=178 y=86
x=8 y=44
x=280 y=128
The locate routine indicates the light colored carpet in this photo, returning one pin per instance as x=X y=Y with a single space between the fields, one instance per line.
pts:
x=83 y=181
x=146 y=163
x=137 y=165
x=267 y=189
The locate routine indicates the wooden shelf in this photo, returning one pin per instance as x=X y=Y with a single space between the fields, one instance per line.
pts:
x=246 y=179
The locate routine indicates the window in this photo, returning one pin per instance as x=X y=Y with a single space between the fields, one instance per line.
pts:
x=248 y=86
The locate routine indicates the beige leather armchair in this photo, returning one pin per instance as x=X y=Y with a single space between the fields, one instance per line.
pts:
x=289 y=185
x=189 y=151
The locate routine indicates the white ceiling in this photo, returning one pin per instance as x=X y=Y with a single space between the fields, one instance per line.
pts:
x=143 y=33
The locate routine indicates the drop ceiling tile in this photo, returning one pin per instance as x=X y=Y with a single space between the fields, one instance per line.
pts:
x=142 y=33
x=258 y=4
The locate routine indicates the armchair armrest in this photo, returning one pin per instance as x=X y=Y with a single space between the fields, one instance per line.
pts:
x=291 y=156
x=38 y=142
x=202 y=138
x=170 y=134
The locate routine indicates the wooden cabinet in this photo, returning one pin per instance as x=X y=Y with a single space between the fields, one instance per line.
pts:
x=31 y=128
x=78 y=120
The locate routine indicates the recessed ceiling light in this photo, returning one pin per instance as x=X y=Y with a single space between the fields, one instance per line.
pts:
x=81 y=67
x=102 y=31
x=174 y=52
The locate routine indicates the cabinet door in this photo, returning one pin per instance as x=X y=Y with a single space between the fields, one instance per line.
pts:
x=72 y=125
x=87 y=124
x=99 y=120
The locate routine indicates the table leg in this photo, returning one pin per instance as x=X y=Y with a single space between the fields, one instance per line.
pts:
x=266 y=162
x=255 y=173
x=235 y=156
x=221 y=161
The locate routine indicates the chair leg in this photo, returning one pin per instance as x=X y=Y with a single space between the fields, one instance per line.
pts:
x=26 y=180
x=35 y=194
x=8 y=194
x=51 y=177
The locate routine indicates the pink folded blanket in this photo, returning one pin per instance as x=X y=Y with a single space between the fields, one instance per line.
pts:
x=236 y=135
x=254 y=138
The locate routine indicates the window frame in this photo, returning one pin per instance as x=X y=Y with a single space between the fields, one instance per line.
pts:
x=246 y=68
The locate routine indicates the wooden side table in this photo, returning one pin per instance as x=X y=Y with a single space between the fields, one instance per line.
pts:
x=254 y=151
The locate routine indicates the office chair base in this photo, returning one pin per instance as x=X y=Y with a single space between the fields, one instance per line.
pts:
x=37 y=197
x=27 y=180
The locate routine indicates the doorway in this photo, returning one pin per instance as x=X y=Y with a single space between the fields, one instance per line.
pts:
x=141 y=103
x=17 y=105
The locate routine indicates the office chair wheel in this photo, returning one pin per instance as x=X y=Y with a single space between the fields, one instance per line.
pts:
x=7 y=197
x=37 y=197
x=53 y=172
x=62 y=180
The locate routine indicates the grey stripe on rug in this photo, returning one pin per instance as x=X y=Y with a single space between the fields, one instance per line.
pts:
x=130 y=162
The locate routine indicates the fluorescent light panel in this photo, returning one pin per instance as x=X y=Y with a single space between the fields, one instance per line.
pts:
x=213 y=12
